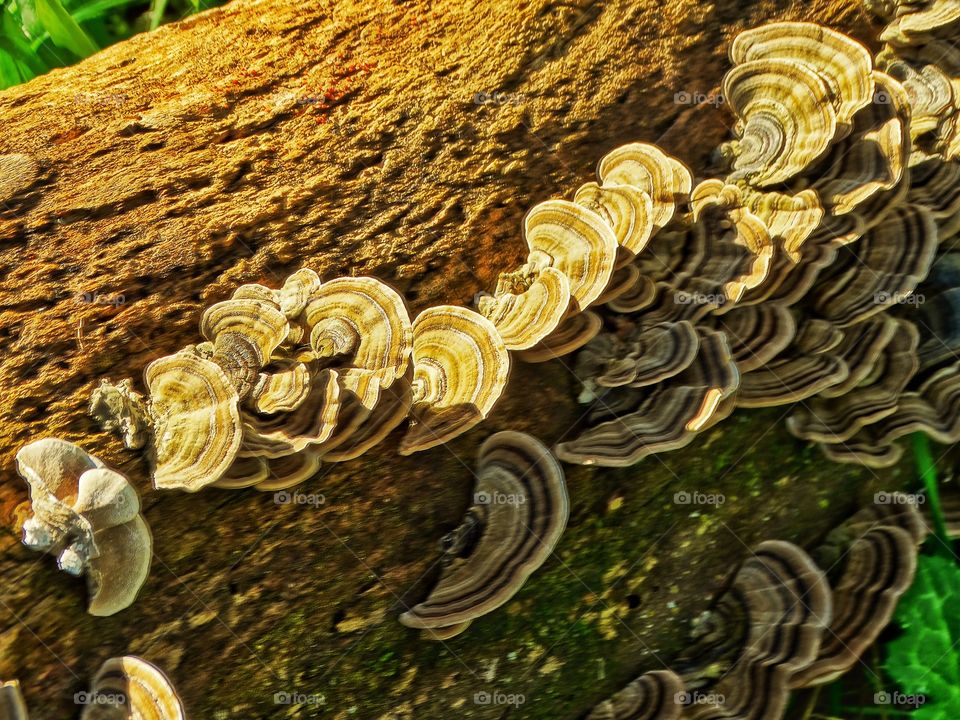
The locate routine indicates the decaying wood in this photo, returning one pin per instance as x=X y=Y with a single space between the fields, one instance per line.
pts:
x=399 y=140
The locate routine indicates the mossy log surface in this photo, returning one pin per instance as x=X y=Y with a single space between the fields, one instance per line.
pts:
x=252 y=140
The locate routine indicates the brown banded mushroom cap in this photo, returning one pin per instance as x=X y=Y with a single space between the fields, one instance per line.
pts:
x=666 y=180
x=460 y=368
x=640 y=296
x=662 y=417
x=652 y=696
x=576 y=241
x=625 y=208
x=785 y=119
x=623 y=281
x=757 y=333
x=390 y=411
x=12 y=705
x=524 y=318
x=281 y=391
x=257 y=323
x=799 y=372
x=519 y=512
x=836 y=419
x=786 y=603
x=365 y=319
x=877 y=571
x=245 y=472
x=296 y=292
x=196 y=421
x=147 y=693
x=885 y=266
x=842 y=62
x=572 y=334
x=648 y=356
x=290 y=470
x=311 y=423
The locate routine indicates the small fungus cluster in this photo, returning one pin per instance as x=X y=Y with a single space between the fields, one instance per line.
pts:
x=89 y=517
x=821 y=270
x=784 y=623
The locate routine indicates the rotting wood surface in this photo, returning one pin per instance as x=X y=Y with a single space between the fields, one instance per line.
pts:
x=148 y=181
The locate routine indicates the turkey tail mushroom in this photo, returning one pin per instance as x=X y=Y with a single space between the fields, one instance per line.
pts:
x=139 y=691
x=519 y=512
x=652 y=696
x=460 y=368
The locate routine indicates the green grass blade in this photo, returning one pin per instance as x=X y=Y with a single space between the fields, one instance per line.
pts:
x=64 y=30
x=157 y=10
x=928 y=472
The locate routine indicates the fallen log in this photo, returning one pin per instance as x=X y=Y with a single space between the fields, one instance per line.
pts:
x=404 y=142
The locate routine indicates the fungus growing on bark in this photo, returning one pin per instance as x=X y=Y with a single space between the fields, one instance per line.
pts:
x=140 y=690
x=89 y=516
x=196 y=421
x=519 y=512
x=460 y=368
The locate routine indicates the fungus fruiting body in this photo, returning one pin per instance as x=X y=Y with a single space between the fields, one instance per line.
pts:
x=89 y=516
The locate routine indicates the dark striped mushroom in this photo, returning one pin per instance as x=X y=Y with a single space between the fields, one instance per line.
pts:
x=652 y=696
x=630 y=423
x=570 y=335
x=12 y=706
x=518 y=514
x=784 y=605
x=129 y=687
x=878 y=569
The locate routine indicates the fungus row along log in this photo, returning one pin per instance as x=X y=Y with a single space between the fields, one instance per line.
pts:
x=783 y=624
x=519 y=512
x=812 y=257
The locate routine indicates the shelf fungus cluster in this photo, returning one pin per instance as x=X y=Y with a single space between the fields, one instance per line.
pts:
x=784 y=623
x=822 y=270
x=89 y=517
x=124 y=688
x=519 y=512
x=313 y=371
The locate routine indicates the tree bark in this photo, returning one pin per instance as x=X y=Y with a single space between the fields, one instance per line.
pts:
x=148 y=181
